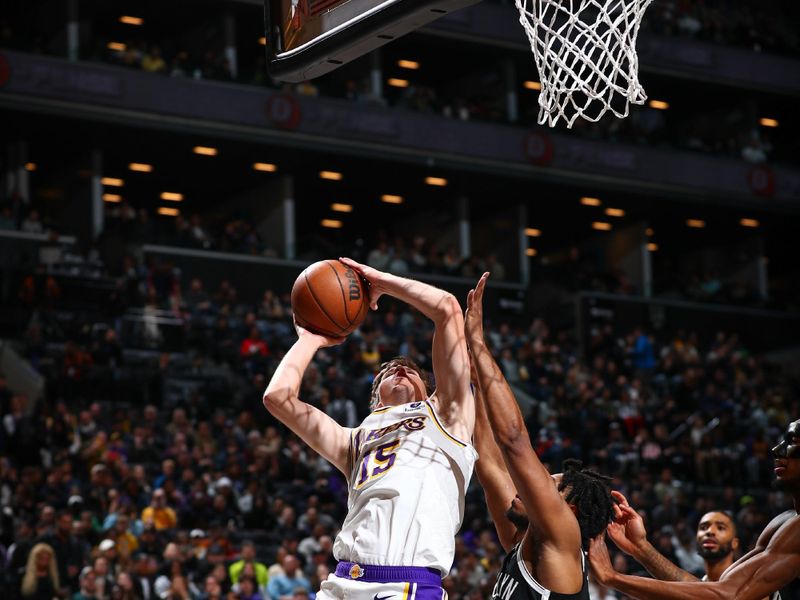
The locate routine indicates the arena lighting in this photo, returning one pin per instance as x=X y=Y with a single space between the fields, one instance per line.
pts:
x=392 y=199
x=766 y=122
x=342 y=208
x=266 y=167
x=652 y=247
x=658 y=104
x=749 y=222
x=531 y=232
x=172 y=196
x=262 y=40
x=696 y=223
x=649 y=231
x=30 y=166
x=331 y=223
x=408 y=64
x=531 y=252
x=532 y=85
x=330 y=175
x=168 y=212
x=400 y=83
x=117 y=46
x=141 y=167
x=600 y=226
x=437 y=181
x=128 y=20
x=112 y=181
x=586 y=201
x=205 y=150
x=615 y=212
x=112 y=198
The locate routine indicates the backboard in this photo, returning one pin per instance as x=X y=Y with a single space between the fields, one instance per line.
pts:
x=308 y=38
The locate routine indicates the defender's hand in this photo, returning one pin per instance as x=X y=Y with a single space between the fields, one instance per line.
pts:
x=600 y=561
x=473 y=318
x=627 y=530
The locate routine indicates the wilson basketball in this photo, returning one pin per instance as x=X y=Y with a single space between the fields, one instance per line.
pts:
x=329 y=298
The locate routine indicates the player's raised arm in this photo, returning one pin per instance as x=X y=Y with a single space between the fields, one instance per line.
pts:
x=313 y=426
x=491 y=470
x=454 y=401
x=758 y=577
x=549 y=515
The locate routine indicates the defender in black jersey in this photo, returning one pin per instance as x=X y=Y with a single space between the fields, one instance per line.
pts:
x=770 y=569
x=544 y=522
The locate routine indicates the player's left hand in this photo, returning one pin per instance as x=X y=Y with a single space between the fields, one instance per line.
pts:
x=473 y=318
x=600 y=561
x=373 y=276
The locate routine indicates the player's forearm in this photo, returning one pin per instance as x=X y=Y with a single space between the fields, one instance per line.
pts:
x=432 y=302
x=659 y=566
x=285 y=383
x=485 y=443
x=653 y=589
x=504 y=416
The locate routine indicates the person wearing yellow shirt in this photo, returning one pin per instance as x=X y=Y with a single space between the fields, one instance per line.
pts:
x=158 y=513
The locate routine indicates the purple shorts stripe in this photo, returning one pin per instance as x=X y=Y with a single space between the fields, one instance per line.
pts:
x=379 y=574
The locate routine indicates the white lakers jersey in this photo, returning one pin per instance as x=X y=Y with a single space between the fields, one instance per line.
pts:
x=407 y=484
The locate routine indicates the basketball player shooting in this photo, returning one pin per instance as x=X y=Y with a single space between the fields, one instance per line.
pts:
x=406 y=464
x=543 y=521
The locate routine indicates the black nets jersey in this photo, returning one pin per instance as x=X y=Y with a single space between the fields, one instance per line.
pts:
x=514 y=582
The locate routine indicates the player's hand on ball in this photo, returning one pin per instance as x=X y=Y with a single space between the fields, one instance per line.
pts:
x=373 y=277
x=322 y=341
x=473 y=318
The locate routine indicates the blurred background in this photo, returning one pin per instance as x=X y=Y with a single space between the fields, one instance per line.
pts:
x=159 y=193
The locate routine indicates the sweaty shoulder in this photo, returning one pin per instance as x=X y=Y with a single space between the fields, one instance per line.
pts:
x=786 y=536
x=775 y=525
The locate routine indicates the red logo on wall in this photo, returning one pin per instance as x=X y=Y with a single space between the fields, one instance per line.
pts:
x=283 y=111
x=761 y=180
x=538 y=148
x=5 y=70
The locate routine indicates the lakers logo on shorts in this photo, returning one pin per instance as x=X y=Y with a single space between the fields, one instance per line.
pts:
x=356 y=572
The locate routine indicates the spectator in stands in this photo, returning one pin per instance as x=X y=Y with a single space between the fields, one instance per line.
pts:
x=282 y=586
x=248 y=557
x=153 y=62
x=158 y=513
x=41 y=581
x=32 y=223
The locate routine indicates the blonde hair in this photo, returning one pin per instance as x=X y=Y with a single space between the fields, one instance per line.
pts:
x=29 y=581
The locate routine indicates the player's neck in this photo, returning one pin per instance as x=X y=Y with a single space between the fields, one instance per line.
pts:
x=715 y=569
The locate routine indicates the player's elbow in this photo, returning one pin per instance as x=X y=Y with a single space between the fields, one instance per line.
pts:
x=275 y=400
x=512 y=440
x=448 y=307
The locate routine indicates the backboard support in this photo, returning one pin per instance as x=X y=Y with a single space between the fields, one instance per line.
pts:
x=308 y=38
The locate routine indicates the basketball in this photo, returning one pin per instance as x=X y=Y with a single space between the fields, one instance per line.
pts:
x=329 y=298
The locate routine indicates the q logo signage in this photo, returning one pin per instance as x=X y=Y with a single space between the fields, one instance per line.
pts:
x=538 y=148
x=283 y=111
x=761 y=180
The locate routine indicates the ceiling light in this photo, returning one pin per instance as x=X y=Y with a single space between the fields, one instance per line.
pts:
x=172 y=196
x=392 y=199
x=330 y=175
x=749 y=222
x=766 y=122
x=343 y=208
x=532 y=85
x=586 y=201
x=141 y=167
x=652 y=247
x=116 y=46
x=112 y=181
x=30 y=166
x=696 y=223
x=531 y=232
x=128 y=20
x=112 y=198
x=600 y=226
x=169 y=212
x=266 y=167
x=205 y=150
x=649 y=231
x=615 y=212
x=437 y=181
x=658 y=104
x=331 y=223
x=400 y=83
x=408 y=64
x=531 y=251
x=262 y=40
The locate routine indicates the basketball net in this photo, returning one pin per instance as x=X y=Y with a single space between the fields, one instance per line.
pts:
x=585 y=52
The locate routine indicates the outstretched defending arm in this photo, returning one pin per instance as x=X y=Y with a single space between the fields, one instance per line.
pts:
x=314 y=427
x=549 y=515
x=628 y=533
x=761 y=575
x=491 y=470
x=450 y=360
